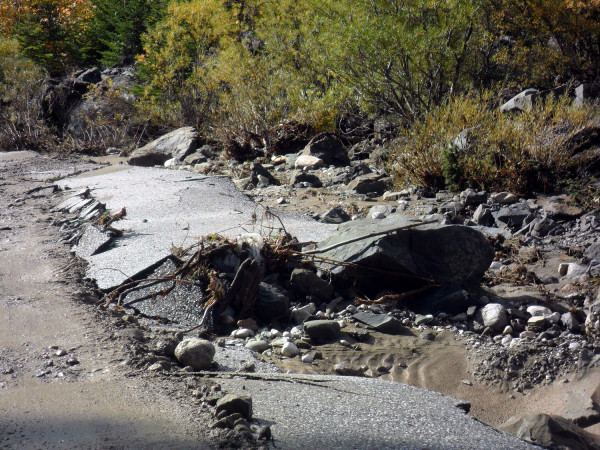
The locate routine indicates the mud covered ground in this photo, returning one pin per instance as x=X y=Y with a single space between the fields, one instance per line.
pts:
x=68 y=375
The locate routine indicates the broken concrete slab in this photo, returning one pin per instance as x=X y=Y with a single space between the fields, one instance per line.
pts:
x=180 y=303
x=94 y=240
x=405 y=255
x=167 y=208
x=381 y=322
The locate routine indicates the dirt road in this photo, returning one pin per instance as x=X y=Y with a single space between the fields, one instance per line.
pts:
x=64 y=372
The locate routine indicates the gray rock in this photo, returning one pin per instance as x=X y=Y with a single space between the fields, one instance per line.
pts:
x=257 y=346
x=299 y=315
x=537 y=323
x=308 y=161
x=504 y=198
x=335 y=215
x=580 y=409
x=493 y=315
x=471 y=197
x=513 y=216
x=322 y=331
x=522 y=102
x=421 y=319
x=176 y=144
x=381 y=322
x=538 y=310
x=329 y=148
x=306 y=282
x=558 y=209
x=366 y=184
x=235 y=404
x=195 y=158
x=445 y=253
x=272 y=303
x=550 y=431
x=258 y=171
x=483 y=216
x=586 y=91
x=570 y=322
x=195 y=352
x=303 y=179
x=380 y=211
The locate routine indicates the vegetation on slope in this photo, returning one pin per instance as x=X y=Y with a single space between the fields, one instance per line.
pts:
x=240 y=70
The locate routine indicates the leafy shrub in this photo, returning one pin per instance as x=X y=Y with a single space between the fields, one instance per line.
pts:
x=468 y=142
x=109 y=117
x=547 y=42
x=21 y=124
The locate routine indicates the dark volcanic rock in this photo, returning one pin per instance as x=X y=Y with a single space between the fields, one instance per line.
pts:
x=335 y=215
x=406 y=259
x=303 y=179
x=232 y=404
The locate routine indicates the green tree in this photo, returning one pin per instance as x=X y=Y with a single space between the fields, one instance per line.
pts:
x=115 y=30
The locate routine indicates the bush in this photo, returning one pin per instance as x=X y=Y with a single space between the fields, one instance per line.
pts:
x=547 y=42
x=468 y=142
x=21 y=124
x=109 y=117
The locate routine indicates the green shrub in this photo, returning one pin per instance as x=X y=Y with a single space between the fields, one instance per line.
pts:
x=468 y=142
x=21 y=124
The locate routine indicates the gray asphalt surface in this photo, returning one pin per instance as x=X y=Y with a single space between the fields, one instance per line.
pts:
x=332 y=412
x=167 y=208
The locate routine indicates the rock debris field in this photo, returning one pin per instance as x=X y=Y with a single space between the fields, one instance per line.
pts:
x=295 y=304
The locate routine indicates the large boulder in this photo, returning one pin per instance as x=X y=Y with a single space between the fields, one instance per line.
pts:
x=177 y=144
x=402 y=258
x=195 y=352
x=329 y=148
x=550 y=431
x=522 y=102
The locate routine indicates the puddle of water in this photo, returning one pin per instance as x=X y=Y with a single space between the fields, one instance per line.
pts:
x=116 y=164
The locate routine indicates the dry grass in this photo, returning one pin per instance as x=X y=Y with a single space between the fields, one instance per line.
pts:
x=518 y=152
